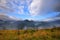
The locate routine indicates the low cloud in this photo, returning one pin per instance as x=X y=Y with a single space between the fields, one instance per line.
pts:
x=14 y=18
x=5 y=16
x=52 y=19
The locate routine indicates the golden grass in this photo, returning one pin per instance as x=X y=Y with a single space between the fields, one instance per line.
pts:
x=43 y=34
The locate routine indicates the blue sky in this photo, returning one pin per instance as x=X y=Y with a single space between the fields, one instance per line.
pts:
x=29 y=9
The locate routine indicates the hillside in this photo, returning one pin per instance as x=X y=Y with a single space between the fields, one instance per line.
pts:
x=42 y=34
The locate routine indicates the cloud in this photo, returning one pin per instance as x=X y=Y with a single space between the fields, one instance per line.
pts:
x=52 y=19
x=9 y=5
x=31 y=7
x=1 y=13
x=2 y=2
x=35 y=7
x=38 y=7
x=5 y=16
x=57 y=6
x=19 y=6
x=57 y=17
x=14 y=18
x=4 y=6
x=21 y=10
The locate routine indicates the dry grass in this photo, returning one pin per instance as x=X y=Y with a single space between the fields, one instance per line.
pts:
x=43 y=34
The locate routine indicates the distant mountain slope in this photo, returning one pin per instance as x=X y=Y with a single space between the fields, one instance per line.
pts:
x=8 y=23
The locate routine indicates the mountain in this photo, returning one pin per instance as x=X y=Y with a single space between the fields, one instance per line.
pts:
x=8 y=23
x=56 y=20
x=26 y=24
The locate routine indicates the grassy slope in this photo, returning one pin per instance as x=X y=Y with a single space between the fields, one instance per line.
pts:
x=43 y=34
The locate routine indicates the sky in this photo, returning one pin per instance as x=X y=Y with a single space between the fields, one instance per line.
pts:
x=29 y=9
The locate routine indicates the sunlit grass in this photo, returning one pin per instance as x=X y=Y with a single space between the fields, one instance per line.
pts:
x=43 y=34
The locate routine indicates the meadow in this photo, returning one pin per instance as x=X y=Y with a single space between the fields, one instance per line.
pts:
x=42 y=34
